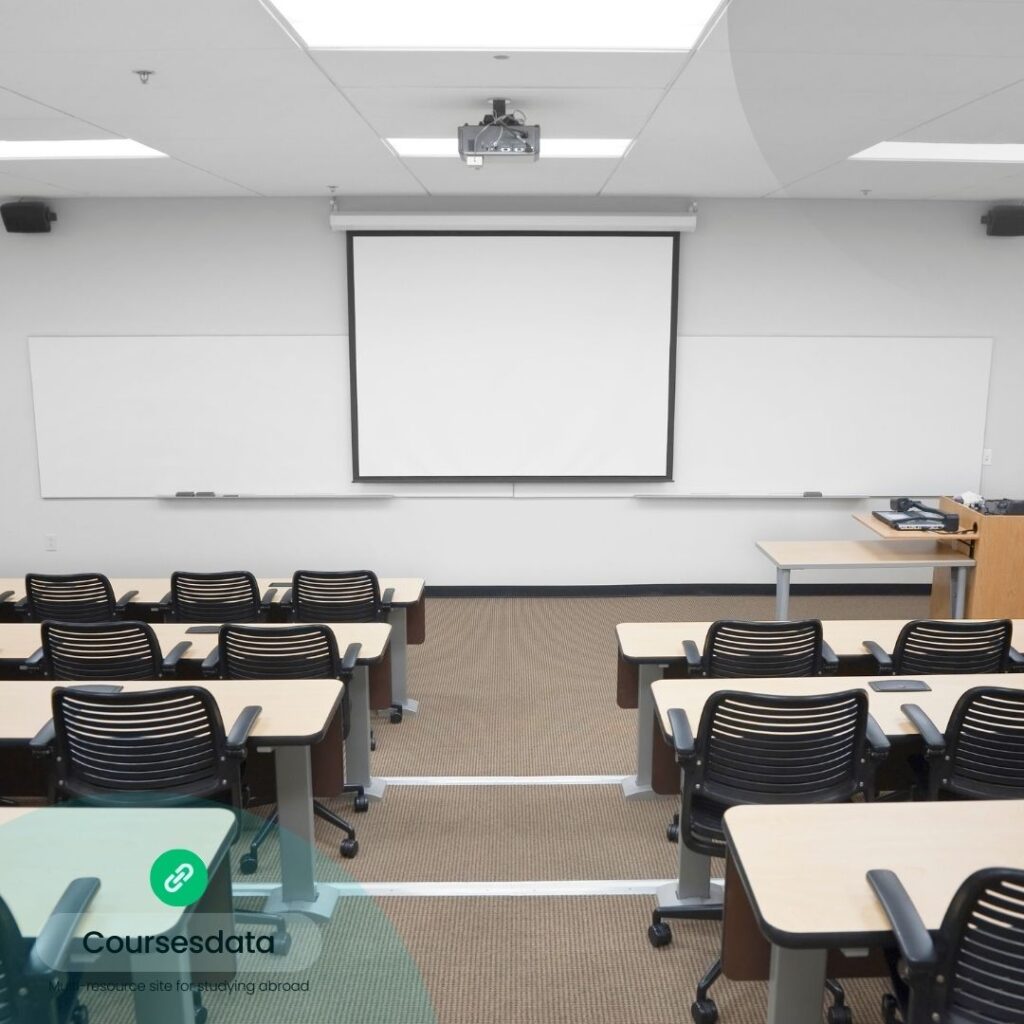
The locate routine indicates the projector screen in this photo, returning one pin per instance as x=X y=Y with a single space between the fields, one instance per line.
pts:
x=512 y=355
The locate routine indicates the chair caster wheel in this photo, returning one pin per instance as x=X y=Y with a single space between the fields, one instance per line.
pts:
x=282 y=943
x=839 y=1015
x=659 y=934
x=672 y=833
x=249 y=863
x=373 y=745
x=890 y=1009
x=396 y=716
x=704 y=1011
x=361 y=803
x=200 y=1014
x=349 y=847
x=80 y=1014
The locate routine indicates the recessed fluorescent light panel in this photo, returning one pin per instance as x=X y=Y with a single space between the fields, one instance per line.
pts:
x=77 y=149
x=610 y=149
x=946 y=152
x=525 y=25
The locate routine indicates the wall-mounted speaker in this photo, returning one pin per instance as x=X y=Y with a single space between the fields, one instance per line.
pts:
x=27 y=217
x=1004 y=220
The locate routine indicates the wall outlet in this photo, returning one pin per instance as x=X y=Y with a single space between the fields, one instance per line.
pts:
x=986 y=457
x=50 y=542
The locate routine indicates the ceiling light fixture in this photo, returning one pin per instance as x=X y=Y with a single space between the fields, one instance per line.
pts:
x=77 y=149
x=593 y=149
x=467 y=25
x=945 y=152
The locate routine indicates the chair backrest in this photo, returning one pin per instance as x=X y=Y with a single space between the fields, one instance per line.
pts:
x=278 y=652
x=934 y=647
x=214 y=597
x=984 y=746
x=165 y=743
x=83 y=597
x=980 y=949
x=100 y=650
x=744 y=650
x=756 y=748
x=336 y=596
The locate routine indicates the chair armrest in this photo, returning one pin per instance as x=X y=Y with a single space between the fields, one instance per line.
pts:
x=933 y=739
x=1016 y=660
x=387 y=599
x=693 y=659
x=172 y=659
x=53 y=944
x=42 y=741
x=6 y=596
x=243 y=726
x=286 y=599
x=682 y=735
x=267 y=600
x=348 y=662
x=124 y=601
x=165 y=603
x=20 y=606
x=34 y=660
x=211 y=664
x=829 y=659
x=882 y=657
x=915 y=942
x=877 y=740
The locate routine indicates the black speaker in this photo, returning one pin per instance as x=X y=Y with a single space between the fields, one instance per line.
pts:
x=25 y=217
x=1004 y=220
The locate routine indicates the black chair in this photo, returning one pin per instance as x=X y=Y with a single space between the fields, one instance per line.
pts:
x=350 y=596
x=288 y=652
x=82 y=597
x=970 y=971
x=216 y=597
x=935 y=647
x=738 y=649
x=35 y=985
x=981 y=756
x=103 y=650
x=149 y=748
x=767 y=749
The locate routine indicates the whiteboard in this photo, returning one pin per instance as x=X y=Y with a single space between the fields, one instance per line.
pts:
x=843 y=416
x=129 y=417
x=512 y=356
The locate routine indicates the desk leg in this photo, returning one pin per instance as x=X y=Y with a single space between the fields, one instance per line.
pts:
x=959 y=592
x=357 y=746
x=796 y=985
x=638 y=787
x=162 y=1007
x=782 y=594
x=400 y=661
x=694 y=890
x=298 y=892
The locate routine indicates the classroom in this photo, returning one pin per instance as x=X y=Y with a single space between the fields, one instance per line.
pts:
x=511 y=515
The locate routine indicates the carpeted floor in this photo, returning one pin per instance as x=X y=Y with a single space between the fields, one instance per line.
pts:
x=514 y=687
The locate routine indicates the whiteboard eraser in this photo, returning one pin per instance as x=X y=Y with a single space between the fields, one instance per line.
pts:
x=184 y=494
x=812 y=494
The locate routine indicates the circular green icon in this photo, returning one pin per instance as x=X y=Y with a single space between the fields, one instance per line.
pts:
x=178 y=878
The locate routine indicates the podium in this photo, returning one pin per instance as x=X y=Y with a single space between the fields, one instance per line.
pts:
x=995 y=586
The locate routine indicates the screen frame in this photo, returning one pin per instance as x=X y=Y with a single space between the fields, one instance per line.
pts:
x=358 y=477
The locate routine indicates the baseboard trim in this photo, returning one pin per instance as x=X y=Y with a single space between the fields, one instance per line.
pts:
x=688 y=590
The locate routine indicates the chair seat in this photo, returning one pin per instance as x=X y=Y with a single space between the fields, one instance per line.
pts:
x=705 y=832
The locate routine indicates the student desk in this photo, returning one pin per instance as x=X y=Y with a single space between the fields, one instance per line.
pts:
x=296 y=714
x=695 y=887
x=788 y=555
x=803 y=871
x=43 y=850
x=20 y=640
x=407 y=619
x=647 y=649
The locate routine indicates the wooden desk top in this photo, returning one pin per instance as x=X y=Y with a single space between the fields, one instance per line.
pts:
x=938 y=702
x=44 y=849
x=296 y=712
x=660 y=642
x=886 y=531
x=863 y=554
x=804 y=866
x=153 y=589
x=20 y=640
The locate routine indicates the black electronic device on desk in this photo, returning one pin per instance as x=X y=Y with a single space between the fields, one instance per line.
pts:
x=911 y=514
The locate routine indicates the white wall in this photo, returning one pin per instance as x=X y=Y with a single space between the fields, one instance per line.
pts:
x=273 y=267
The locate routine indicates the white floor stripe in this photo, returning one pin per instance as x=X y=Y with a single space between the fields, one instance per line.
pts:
x=504 y=780
x=595 y=887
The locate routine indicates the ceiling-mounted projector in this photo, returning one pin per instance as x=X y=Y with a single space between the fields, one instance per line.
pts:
x=501 y=133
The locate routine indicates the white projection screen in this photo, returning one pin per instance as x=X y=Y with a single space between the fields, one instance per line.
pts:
x=512 y=355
